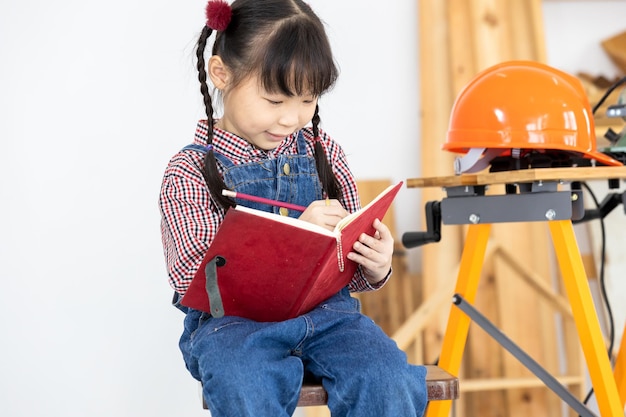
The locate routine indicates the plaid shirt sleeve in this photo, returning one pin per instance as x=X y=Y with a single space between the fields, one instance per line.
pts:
x=188 y=224
x=351 y=202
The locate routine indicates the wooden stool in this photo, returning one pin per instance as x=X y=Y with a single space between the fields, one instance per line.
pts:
x=440 y=385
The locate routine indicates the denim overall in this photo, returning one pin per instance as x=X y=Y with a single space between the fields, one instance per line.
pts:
x=250 y=368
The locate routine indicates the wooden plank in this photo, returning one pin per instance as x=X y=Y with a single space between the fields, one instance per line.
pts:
x=535 y=19
x=492 y=37
x=521 y=176
x=368 y=190
x=526 y=27
x=318 y=411
x=535 y=281
x=520 y=311
x=496 y=384
x=486 y=357
x=462 y=60
x=420 y=318
x=545 y=306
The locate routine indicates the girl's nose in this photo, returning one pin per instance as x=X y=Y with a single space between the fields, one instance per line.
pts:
x=289 y=117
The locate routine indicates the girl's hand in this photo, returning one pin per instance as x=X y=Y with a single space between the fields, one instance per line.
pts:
x=325 y=213
x=374 y=253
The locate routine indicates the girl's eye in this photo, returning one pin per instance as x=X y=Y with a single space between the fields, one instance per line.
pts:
x=273 y=102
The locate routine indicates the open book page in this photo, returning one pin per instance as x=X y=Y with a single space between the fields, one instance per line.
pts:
x=319 y=229
x=301 y=224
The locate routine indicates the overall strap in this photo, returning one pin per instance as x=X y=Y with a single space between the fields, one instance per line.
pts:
x=194 y=147
x=301 y=143
x=203 y=149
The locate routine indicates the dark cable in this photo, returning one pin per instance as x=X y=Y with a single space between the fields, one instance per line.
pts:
x=605 y=297
x=608 y=92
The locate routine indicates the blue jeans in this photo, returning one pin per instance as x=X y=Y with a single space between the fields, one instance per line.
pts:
x=256 y=369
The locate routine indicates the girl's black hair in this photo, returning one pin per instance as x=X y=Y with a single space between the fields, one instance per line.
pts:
x=284 y=43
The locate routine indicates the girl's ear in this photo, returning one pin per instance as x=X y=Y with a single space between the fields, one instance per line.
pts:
x=218 y=72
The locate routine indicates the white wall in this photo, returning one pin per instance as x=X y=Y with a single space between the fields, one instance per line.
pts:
x=94 y=99
x=574 y=30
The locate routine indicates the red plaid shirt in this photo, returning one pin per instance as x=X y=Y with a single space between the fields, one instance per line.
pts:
x=190 y=218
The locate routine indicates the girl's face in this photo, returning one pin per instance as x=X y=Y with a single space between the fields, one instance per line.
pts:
x=264 y=119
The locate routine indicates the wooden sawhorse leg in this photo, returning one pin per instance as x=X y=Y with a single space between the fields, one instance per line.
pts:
x=577 y=288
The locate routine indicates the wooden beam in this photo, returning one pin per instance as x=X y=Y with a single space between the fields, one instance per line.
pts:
x=495 y=384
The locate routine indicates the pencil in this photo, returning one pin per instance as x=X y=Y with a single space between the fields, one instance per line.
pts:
x=233 y=194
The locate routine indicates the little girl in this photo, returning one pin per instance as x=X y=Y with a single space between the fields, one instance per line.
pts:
x=270 y=63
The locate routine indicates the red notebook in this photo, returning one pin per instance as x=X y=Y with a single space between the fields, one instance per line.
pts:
x=268 y=267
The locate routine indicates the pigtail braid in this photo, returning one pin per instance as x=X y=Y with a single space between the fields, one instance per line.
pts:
x=211 y=174
x=324 y=170
x=202 y=77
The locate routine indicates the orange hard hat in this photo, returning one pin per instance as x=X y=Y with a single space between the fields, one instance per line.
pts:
x=522 y=105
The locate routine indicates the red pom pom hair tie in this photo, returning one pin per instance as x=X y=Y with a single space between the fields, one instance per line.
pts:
x=218 y=14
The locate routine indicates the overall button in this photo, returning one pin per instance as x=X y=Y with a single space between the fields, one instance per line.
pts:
x=286 y=169
x=283 y=211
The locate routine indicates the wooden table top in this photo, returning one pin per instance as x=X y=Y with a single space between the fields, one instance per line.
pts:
x=521 y=176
